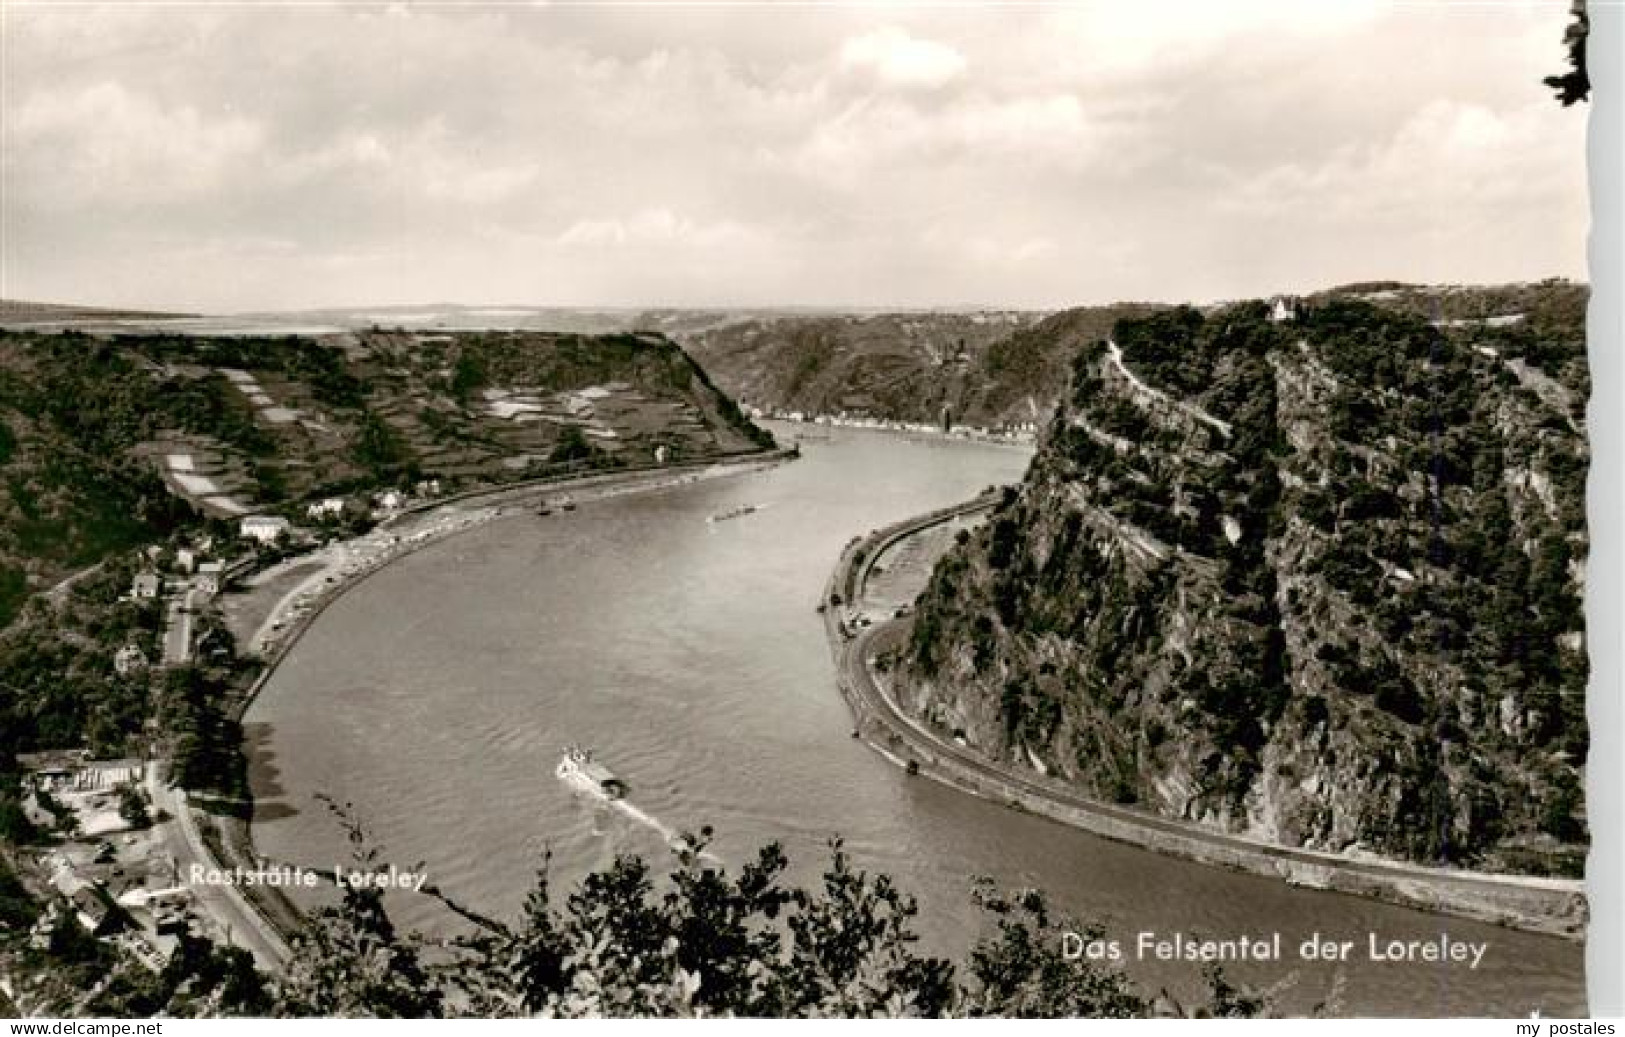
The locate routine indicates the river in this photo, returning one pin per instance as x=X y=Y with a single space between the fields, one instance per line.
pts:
x=437 y=695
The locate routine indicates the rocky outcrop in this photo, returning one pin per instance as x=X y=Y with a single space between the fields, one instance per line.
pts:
x=1312 y=580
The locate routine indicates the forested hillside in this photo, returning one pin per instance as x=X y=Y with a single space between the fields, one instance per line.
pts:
x=110 y=441
x=984 y=369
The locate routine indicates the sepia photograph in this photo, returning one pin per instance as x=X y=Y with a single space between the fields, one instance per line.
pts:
x=813 y=510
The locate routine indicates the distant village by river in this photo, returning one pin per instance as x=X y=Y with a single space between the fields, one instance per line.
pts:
x=1017 y=433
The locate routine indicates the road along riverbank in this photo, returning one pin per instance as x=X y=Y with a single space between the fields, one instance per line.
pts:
x=260 y=916
x=858 y=638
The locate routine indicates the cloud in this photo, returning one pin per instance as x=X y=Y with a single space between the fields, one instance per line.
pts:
x=456 y=182
x=873 y=140
x=650 y=227
x=898 y=59
x=1005 y=253
x=827 y=154
x=107 y=143
x=1448 y=163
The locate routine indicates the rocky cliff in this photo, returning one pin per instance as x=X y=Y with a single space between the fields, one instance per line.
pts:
x=1311 y=575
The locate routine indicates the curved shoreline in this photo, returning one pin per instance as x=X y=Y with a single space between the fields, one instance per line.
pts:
x=1533 y=904
x=268 y=905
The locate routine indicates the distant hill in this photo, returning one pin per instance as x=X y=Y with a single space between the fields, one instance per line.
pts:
x=110 y=440
x=16 y=311
x=989 y=368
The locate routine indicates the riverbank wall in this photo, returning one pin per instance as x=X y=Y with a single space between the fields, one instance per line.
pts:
x=1550 y=906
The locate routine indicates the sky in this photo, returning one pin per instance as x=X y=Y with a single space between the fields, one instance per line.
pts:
x=249 y=157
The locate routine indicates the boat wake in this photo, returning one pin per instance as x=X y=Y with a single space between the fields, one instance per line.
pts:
x=672 y=838
x=581 y=772
x=733 y=513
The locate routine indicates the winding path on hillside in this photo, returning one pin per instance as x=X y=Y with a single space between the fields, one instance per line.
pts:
x=1184 y=408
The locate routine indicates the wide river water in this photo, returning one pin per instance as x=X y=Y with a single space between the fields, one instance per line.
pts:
x=437 y=696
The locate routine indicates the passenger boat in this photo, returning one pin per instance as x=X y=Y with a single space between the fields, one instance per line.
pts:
x=578 y=768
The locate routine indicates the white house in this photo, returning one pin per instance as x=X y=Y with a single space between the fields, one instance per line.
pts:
x=264 y=528
x=1282 y=309
x=209 y=575
x=331 y=507
x=145 y=587
x=389 y=500
x=185 y=559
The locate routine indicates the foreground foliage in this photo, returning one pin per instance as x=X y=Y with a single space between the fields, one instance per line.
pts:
x=704 y=942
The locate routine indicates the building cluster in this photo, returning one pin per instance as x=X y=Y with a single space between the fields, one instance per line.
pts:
x=1011 y=432
x=167 y=571
x=109 y=879
x=186 y=576
x=145 y=919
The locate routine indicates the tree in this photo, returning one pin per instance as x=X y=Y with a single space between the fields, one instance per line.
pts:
x=1575 y=84
x=378 y=447
x=468 y=374
x=351 y=961
x=132 y=807
x=704 y=942
x=852 y=954
x=1023 y=970
x=15 y=828
x=572 y=446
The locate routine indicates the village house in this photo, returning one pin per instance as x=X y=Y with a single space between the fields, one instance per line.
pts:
x=163 y=912
x=330 y=507
x=145 y=587
x=264 y=528
x=72 y=770
x=95 y=912
x=389 y=502
x=209 y=577
x=185 y=559
x=47 y=767
x=88 y=901
x=155 y=951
